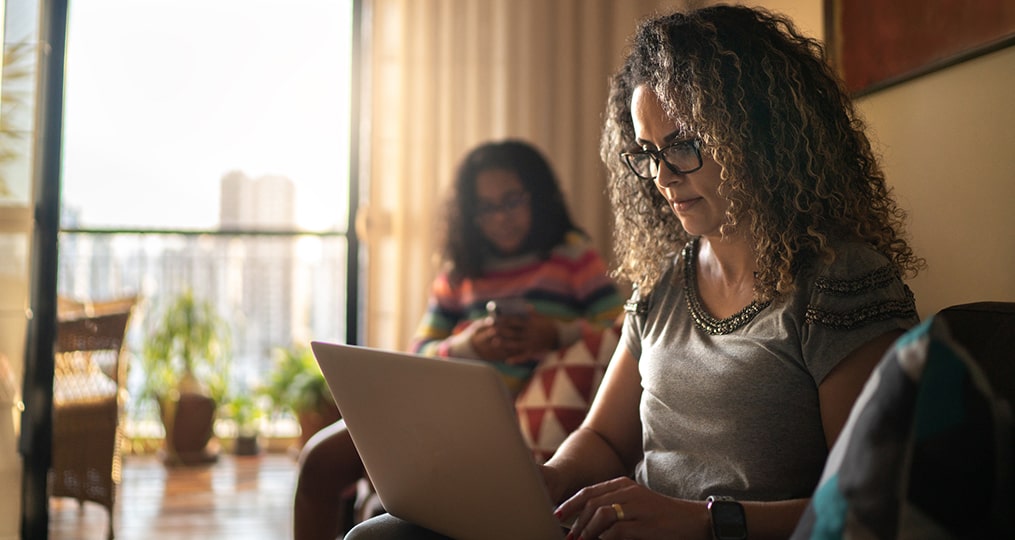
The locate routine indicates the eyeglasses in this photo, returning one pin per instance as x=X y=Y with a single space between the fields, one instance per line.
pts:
x=681 y=157
x=510 y=203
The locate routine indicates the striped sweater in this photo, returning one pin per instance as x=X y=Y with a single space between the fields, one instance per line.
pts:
x=570 y=286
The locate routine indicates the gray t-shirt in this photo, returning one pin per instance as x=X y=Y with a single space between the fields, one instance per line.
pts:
x=730 y=407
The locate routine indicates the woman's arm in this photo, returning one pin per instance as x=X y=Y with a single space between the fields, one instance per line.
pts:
x=648 y=515
x=444 y=329
x=608 y=443
x=840 y=388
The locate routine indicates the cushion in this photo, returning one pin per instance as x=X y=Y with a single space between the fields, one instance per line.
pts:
x=555 y=400
x=926 y=452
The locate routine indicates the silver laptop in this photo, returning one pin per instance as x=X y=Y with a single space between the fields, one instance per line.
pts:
x=440 y=441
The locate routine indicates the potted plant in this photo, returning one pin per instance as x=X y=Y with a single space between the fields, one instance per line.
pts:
x=297 y=385
x=186 y=363
x=244 y=410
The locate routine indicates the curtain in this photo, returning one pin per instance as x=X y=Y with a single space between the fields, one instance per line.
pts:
x=445 y=75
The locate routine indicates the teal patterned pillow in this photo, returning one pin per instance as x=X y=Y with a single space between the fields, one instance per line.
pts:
x=926 y=453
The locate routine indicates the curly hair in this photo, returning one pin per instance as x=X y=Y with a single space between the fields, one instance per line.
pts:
x=464 y=247
x=797 y=167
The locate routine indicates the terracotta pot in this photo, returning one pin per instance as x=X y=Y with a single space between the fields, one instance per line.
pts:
x=189 y=422
x=247 y=445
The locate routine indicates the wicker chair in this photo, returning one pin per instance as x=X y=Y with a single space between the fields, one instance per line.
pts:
x=89 y=392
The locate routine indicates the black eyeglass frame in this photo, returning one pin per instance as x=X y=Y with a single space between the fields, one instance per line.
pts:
x=658 y=155
x=511 y=203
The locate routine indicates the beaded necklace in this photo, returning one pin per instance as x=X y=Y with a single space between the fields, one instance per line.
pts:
x=702 y=319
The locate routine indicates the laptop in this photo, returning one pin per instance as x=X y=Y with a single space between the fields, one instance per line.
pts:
x=440 y=441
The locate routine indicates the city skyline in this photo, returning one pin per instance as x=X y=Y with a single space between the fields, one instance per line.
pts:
x=274 y=292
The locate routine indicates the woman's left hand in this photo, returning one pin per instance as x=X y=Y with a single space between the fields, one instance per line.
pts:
x=527 y=336
x=541 y=334
x=623 y=509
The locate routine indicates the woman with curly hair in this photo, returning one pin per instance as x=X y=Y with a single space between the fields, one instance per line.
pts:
x=767 y=257
x=519 y=280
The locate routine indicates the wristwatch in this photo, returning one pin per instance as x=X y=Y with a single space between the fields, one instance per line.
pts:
x=728 y=520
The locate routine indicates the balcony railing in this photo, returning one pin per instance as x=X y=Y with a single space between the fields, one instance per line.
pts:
x=275 y=289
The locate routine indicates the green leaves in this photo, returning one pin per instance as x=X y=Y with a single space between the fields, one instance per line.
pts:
x=296 y=382
x=188 y=342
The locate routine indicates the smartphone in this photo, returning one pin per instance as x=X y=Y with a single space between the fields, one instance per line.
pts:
x=509 y=307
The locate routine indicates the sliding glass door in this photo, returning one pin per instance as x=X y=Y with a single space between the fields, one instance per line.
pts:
x=205 y=146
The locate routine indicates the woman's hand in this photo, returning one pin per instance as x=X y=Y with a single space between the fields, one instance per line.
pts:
x=623 y=509
x=528 y=336
x=513 y=338
x=487 y=341
x=543 y=333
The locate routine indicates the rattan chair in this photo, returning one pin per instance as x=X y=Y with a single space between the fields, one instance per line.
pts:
x=89 y=393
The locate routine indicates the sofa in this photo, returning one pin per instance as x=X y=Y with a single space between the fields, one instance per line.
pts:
x=927 y=450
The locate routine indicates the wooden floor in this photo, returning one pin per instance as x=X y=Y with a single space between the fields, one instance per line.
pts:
x=247 y=498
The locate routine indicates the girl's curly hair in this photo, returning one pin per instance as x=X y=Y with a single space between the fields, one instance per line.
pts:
x=797 y=168
x=463 y=246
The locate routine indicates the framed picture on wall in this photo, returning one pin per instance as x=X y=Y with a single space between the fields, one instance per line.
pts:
x=875 y=44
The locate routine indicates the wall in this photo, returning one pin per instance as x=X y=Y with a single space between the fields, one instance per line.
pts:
x=807 y=15
x=948 y=149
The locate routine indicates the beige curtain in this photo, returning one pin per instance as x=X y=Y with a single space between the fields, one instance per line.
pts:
x=445 y=75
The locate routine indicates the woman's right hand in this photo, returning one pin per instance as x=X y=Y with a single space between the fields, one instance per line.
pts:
x=515 y=338
x=622 y=508
x=494 y=340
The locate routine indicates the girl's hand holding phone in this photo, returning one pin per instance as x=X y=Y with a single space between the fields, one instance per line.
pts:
x=521 y=331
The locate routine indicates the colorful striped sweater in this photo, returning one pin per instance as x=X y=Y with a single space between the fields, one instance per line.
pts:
x=570 y=286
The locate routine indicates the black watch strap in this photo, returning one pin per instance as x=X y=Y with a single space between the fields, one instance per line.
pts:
x=728 y=519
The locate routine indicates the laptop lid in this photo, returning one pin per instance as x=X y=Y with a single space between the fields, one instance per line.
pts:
x=440 y=441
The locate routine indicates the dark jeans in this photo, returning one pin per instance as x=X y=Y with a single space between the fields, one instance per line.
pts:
x=388 y=526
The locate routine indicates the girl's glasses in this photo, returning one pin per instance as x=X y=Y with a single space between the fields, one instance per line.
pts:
x=510 y=203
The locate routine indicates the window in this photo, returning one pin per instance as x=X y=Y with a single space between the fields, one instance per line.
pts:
x=206 y=147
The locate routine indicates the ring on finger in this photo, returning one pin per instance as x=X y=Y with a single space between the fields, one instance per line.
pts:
x=619 y=510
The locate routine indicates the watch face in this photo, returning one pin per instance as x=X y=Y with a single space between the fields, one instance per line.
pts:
x=728 y=520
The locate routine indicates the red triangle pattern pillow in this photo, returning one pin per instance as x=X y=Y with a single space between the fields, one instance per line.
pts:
x=555 y=400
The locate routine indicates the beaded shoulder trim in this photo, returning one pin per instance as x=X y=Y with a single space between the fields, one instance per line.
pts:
x=875 y=311
x=849 y=287
x=702 y=319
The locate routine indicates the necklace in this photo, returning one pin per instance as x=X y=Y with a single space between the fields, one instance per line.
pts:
x=702 y=319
